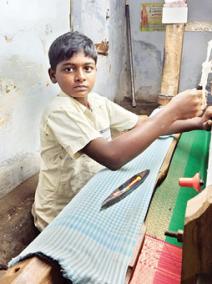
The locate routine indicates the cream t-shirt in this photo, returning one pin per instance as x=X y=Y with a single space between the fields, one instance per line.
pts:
x=67 y=127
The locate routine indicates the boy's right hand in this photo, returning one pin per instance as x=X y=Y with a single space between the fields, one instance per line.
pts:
x=187 y=104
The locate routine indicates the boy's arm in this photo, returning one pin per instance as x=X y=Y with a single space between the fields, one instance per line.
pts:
x=114 y=154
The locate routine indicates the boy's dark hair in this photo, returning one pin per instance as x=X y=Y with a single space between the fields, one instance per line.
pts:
x=68 y=44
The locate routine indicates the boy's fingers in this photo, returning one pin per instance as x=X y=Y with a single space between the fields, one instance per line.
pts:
x=204 y=106
x=199 y=113
x=195 y=92
x=207 y=124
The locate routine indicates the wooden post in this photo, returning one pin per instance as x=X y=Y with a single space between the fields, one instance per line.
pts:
x=172 y=61
x=197 y=244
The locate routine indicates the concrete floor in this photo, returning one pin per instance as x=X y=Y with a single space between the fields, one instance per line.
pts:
x=142 y=108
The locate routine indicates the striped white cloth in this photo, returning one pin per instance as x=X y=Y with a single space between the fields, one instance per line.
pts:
x=94 y=246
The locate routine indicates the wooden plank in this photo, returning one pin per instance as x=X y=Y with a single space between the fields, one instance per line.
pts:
x=33 y=271
x=172 y=61
x=136 y=254
x=166 y=163
x=197 y=244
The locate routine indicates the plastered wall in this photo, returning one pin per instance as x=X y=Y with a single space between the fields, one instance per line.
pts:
x=104 y=21
x=26 y=30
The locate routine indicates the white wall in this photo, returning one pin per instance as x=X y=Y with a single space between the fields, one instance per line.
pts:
x=195 y=45
x=26 y=30
x=104 y=21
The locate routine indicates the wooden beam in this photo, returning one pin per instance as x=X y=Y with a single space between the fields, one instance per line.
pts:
x=136 y=254
x=172 y=62
x=33 y=271
x=167 y=161
x=197 y=244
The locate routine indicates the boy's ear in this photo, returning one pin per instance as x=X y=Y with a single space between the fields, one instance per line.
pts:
x=52 y=75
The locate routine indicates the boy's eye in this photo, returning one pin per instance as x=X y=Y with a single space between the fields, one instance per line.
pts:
x=69 y=69
x=72 y=69
x=88 y=68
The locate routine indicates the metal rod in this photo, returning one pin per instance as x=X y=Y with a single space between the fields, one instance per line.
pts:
x=129 y=45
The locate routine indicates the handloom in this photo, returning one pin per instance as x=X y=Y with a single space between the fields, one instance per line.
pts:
x=94 y=246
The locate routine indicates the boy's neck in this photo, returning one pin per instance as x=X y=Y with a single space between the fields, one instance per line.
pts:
x=84 y=101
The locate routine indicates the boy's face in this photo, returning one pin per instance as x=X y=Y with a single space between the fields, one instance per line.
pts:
x=75 y=76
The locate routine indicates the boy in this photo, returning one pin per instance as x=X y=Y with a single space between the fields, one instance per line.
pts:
x=75 y=130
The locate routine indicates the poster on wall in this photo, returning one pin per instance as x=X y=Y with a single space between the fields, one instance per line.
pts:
x=151 y=17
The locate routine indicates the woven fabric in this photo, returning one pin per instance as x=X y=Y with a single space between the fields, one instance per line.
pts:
x=94 y=246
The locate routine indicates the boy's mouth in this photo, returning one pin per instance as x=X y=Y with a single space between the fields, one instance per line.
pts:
x=80 y=87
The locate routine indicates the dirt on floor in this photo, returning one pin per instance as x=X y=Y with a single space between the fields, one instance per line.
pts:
x=16 y=226
x=141 y=108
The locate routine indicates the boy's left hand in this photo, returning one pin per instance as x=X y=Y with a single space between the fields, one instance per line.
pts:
x=207 y=118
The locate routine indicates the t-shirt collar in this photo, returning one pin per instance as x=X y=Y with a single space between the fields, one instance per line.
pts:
x=81 y=106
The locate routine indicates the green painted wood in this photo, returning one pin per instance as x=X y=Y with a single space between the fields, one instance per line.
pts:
x=168 y=205
x=195 y=148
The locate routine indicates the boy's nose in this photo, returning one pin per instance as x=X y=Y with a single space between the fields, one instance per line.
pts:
x=80 y=76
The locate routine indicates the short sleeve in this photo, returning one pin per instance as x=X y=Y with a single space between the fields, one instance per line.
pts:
x=71 y=130
x=120 y=118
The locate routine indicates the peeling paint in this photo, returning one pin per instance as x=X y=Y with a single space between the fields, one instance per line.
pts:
x=8 y=38
x=7 y=87
x=48 y=29
x=24 y=74
x=198 y=27
x=26 y=31
x=6 y=112
x=4 y=119
x=102 y=47
x=107 y=14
